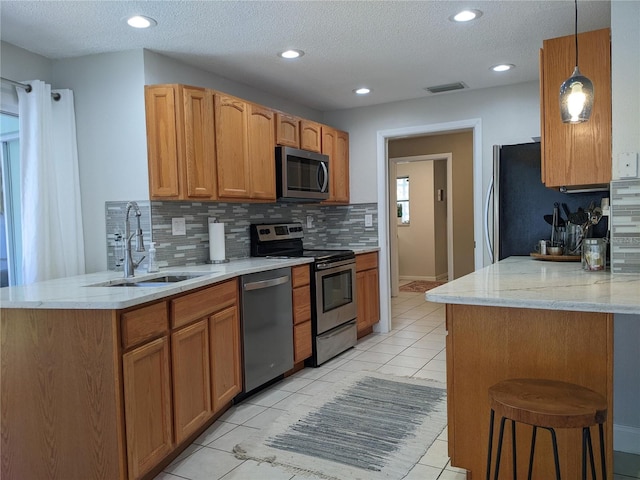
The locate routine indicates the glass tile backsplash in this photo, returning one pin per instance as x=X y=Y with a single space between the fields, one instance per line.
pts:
x=331 y=227
x=625 y=226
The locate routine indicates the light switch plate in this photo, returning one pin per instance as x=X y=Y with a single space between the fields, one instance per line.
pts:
x=368 y=220
x=178 y=226
x=628 y=165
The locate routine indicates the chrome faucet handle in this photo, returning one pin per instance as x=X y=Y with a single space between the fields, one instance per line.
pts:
x=137 y=264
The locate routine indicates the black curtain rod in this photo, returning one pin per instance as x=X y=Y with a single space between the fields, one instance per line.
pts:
x=27 y=87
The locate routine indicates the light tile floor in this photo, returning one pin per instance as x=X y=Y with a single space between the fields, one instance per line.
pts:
x=415 y=347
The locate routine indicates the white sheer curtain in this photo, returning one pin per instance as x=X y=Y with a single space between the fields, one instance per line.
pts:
x=52 y=233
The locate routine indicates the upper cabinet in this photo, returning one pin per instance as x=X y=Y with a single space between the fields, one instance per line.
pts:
x=310 y=136
x=245 y=143
x=287 y=130
x=335 y=144
x=180 y=142
x=576 y=155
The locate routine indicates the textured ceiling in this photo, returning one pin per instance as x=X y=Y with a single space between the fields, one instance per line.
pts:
x=396 y=48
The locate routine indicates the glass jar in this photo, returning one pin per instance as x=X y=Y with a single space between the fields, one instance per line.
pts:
x=594 y=254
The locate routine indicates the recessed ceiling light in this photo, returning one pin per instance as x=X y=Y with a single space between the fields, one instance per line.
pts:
x=140 y=21
x=290 y=54
x=466 y=16
x=362 y=91
x=503 y=67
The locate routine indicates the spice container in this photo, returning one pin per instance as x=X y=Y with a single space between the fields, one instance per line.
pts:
x=594 y=254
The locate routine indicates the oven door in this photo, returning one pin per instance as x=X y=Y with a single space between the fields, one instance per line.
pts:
x=335 y=294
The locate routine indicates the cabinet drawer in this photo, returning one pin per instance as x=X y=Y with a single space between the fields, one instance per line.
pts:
x=200 y=304
x=366 y=261
x=301 y=304
x=302 y=342
x=300 y=276
x=144 y=323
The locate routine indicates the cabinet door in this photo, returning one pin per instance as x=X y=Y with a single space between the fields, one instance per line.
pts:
x=226 y=373
x=147 y=404
x=162 y=141
x=261 y=153
x=302 y=342
x=310 y=136
x=198 y=144
x=363 y=299
x=373 y=296
x=287 y=130
x=191 y=378
x=579 y=154
x=231 y=147
x=329 y=148
x=341 y=168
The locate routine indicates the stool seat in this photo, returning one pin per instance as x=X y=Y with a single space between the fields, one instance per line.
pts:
x=548 y=403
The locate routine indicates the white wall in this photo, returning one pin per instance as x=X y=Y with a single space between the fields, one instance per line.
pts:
x=508 y=114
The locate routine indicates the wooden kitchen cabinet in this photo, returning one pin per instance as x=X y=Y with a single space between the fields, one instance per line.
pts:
x=367 y=291
x=287 y=130
x=180 y=142
x=310 y=136
x=226 y=362
x=335 y=144
x=576 y=155
x=147 y=406
x=191 y=378
x=245 y=142
x=301 y=301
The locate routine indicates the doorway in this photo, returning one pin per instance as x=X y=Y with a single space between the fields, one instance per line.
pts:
x=421 y=243
x=475 y=211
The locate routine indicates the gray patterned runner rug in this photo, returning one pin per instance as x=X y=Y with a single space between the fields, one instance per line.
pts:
x=371 y=426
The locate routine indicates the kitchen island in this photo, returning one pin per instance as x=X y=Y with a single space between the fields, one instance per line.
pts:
x=527 y=318
x=111 y=382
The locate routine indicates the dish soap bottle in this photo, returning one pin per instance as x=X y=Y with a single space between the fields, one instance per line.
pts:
x=152 y=266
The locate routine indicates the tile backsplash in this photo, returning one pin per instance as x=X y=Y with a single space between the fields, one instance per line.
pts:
x=332 y=227
x=625 y=226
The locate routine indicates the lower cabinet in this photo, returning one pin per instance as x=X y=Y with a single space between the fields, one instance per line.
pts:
x=147 y=405
x=368 y=294
x=301 y=300
x=174 y=385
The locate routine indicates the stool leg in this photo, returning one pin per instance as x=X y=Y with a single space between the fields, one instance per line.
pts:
x=591 y=461
x=602 y=453
x=533 y=447
x=584 y=454
x=555 y=452
x=490 y=444
x=499 y=453
x=513 y=448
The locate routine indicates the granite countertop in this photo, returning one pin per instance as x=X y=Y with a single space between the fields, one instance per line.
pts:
x=522 y=282
x=80 y=293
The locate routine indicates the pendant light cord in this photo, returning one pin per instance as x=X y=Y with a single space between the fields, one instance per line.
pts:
x=576 y=35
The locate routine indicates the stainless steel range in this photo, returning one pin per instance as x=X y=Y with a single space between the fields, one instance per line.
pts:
x=333 y=283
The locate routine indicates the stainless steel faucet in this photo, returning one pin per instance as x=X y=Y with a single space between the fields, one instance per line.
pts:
x=129 y=264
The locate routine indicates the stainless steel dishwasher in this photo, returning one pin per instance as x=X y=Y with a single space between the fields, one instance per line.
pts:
x=267 y=326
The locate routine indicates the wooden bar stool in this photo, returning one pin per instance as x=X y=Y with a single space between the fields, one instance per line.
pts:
x=547 y=404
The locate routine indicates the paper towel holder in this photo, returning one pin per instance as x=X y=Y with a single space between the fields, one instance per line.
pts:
x=209 y=261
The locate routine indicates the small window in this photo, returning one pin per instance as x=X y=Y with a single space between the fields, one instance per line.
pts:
x=402 y=197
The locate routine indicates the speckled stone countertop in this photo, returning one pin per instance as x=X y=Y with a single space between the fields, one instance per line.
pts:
x=89 y=292
x=522 y=282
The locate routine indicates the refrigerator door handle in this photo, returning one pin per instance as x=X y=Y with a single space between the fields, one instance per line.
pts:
x=487 y=235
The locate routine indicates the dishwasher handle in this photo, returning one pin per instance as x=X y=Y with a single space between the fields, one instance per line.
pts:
x=272 y=282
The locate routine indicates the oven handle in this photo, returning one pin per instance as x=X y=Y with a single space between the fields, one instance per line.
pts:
x=272 y=282
x=328 y=265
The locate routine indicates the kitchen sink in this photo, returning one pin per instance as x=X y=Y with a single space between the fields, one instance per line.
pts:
x=160 y=281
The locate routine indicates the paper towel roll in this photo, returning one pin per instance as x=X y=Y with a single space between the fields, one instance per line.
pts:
x=216 y=242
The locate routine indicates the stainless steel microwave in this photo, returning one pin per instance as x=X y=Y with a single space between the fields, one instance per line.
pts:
x=301 y=175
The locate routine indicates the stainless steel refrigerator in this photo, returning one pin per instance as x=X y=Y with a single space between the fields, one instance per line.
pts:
x=517 y=202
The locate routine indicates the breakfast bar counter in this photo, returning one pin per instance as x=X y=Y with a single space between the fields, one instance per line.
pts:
x=524 y=318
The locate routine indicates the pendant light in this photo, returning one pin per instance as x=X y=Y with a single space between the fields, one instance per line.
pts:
x=576 y=93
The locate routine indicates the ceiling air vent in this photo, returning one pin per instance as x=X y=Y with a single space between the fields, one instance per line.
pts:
x=446 y=88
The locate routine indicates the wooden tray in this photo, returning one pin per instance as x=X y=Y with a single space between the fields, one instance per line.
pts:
x=556 y=258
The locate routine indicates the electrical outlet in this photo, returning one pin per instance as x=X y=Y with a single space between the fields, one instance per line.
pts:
x=309 y=221
x=178 y=226
x=628 y=165
x=368 y=220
